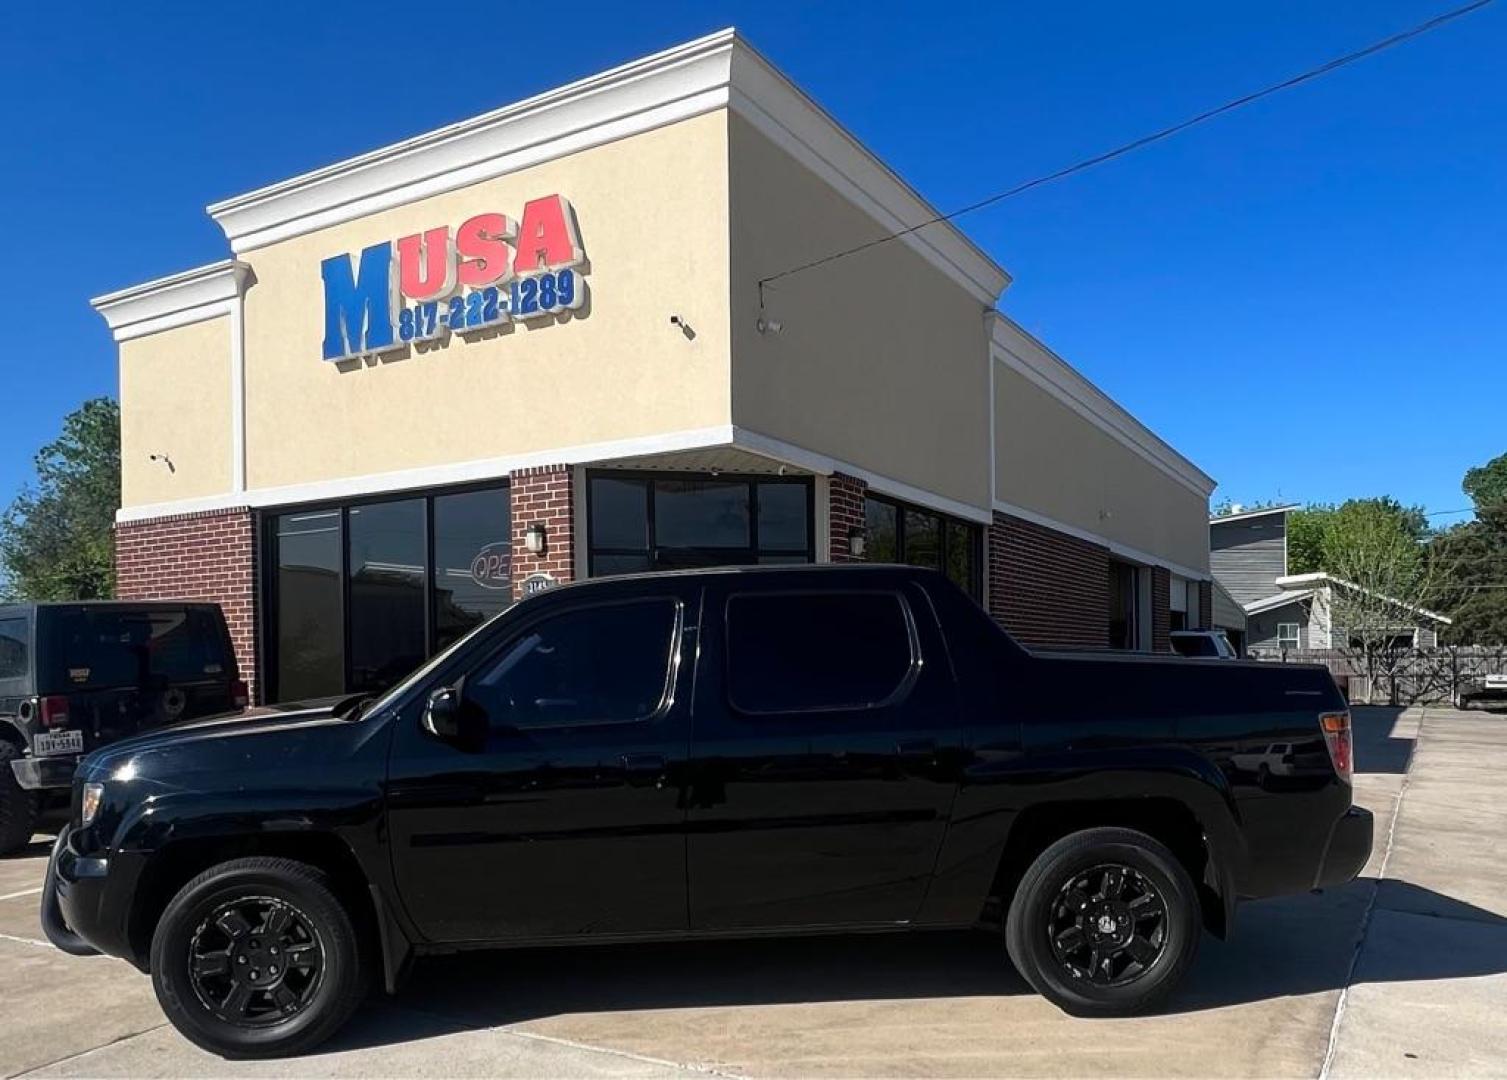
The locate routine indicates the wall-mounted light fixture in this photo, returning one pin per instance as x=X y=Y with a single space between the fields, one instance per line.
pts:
x=768 y=326
x=165 y=460
x=858 y=542
x=535 y=537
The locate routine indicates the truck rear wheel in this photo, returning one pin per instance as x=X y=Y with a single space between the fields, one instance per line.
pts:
x=257 y=958
x=1104 y=923
x=18 y=807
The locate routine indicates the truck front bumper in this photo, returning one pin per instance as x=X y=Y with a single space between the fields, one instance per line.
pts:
x=45 y=773
x=86 y=900
x=1348 y=849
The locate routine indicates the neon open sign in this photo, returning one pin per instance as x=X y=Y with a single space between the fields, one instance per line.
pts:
x=440 y=281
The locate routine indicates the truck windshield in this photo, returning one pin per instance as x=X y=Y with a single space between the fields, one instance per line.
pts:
x=111 y=647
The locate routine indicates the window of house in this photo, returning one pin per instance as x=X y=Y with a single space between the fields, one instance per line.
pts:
x=13 y=649
x=639 y=522
x=802 y=652
x=1124 y=605
x=1287 y=635
x=604 y=664
x=360 y=594
x=900 y=533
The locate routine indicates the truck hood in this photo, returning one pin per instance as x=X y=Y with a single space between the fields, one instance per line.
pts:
x=210 y=738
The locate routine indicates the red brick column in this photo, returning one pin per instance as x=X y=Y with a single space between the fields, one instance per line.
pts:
x=1045 y=587
x=1161 y=609
x=210 y=556
x=544 y=495
x=845 y=497
x=1205 y=605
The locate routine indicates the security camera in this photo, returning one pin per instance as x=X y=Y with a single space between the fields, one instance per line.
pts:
x=675 y=320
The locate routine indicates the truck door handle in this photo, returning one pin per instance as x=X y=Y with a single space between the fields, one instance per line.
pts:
x=645 y=770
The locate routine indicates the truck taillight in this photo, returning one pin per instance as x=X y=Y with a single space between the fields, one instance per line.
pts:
x=53 y=710
x=1336 y=727
x=240 y=694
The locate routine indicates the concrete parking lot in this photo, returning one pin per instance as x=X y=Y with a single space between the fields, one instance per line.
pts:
x=1404 y=972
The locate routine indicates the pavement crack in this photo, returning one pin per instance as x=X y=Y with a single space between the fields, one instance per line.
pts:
x=1365 y=922
x=33 y=1070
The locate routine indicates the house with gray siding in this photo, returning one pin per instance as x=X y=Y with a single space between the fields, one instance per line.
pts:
x=1285 y=612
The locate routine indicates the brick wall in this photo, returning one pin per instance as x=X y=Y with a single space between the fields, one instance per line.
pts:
x=846 y=501
x=210 y=556
x=545 y=495
x=1045 y=587
x=1161 y=609
x=1205 y=605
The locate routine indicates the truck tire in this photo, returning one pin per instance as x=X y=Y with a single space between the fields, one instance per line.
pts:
x=257 y=958
x=1104 y=923
x=18 y=807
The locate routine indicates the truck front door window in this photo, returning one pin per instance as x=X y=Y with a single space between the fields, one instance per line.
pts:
x=596 y=665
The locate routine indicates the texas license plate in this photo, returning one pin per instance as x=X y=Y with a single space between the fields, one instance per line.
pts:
x=58 y=742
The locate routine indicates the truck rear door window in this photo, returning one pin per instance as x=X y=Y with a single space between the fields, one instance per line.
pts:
x=817 y=651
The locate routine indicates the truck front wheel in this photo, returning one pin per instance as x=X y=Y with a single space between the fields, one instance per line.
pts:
x=257 y=958
x=1104 y=923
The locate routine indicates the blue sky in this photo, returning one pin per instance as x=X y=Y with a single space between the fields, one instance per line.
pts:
x=1306 y=297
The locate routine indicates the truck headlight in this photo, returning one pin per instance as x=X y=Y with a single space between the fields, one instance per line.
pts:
x=89 y=806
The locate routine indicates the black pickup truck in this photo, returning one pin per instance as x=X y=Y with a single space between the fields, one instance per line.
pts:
x=705 y=755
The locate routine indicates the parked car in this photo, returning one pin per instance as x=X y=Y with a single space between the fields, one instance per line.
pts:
x=1210 y=643
x=1488 y=689
x=703 y=755
x=76 y=676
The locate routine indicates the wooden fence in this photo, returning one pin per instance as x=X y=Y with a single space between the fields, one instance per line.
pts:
x=1401 y=676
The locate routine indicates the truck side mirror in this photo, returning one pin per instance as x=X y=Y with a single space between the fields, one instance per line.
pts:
x=442 y=713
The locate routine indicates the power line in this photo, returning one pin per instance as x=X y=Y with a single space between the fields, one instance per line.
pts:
x=1146 y=140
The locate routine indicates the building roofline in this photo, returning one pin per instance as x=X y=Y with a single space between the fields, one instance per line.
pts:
x=1321 y=578
x=1276 y=600
x=720 y=70
x=1037 y=362
x=204 y=292
x=1220 y=519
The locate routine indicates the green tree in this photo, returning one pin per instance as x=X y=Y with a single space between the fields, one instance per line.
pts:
x=1319 y=533
x=1473 y=561
x=55 y=541
x=1305 y=537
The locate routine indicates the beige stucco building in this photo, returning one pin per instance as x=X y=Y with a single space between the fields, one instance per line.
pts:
x=563 y=339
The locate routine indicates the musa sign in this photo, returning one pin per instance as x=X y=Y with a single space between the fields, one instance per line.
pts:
x=488 y=270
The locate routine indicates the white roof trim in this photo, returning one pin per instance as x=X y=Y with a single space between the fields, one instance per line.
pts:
x=1018 y=350
x=1277 y=600
x=1244 y=514
x=497 y=468
x=1114 y=546
x=205 y=292
x=717 y=71
x=1325 y=580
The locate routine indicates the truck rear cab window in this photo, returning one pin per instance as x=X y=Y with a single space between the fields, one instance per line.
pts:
x=14 y=663
x=603 y=664
x=818 y=651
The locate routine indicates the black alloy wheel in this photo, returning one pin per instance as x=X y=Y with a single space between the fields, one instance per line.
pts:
x=255 y=961
x=1109 y=925
x=259 y=957
x=1104 y=922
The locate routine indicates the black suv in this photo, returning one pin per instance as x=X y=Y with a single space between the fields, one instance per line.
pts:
x=773 y=750
x=75 y=676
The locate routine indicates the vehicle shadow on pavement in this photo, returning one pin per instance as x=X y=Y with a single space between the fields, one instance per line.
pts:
x=1282 y=948
x=1376 y=749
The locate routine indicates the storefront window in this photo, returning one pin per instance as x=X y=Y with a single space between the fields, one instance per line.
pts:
x=898 y=533
x=472 y=561
x=363 y=593
x=644 y=522
x=387 y=569
x=310 y=651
